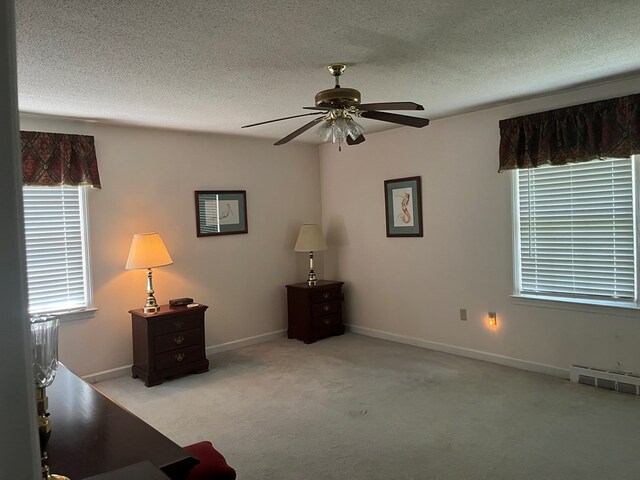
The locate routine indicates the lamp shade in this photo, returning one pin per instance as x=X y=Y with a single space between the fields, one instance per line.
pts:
x=147 y=251
x=310 y=239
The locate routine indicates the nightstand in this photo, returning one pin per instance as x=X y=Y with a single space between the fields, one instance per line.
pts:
x=315 y=312
x=167 y=343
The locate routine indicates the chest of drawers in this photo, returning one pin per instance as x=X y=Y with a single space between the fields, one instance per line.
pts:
x=168 y=343
x=314 y=312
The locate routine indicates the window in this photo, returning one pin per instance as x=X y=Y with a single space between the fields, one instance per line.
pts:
x=57 y=249
x=575 y=231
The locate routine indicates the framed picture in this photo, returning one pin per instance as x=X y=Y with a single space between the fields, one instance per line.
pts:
x=403 y=205
x=221 y=212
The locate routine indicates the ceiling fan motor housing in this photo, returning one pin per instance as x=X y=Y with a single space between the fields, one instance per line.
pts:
x=338 y=98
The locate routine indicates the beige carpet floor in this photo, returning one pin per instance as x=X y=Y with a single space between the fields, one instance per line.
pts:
x=353 y=407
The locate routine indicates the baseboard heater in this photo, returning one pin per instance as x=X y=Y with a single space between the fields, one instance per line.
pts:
x=624 y=382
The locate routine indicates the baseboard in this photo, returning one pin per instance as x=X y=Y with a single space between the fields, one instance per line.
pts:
x=369 y=332
x=245 y=342
x=223 y=347
x=461 y=351
x=107 y=374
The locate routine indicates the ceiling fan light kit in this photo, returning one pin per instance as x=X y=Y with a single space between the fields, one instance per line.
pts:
x=339 y=105
x=338 y=127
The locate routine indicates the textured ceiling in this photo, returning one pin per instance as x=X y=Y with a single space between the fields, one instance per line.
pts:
x=216 y=65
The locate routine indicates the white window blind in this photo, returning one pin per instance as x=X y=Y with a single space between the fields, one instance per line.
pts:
x=576 y=231
x=55 y=236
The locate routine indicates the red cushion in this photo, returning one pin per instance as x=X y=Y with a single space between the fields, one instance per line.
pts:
x=212 y=466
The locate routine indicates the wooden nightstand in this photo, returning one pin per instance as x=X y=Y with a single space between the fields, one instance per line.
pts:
x=315 y=312
x=168 y=343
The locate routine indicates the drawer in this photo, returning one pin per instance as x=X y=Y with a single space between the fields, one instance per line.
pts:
x=326 y=326
x=175 y=340
x=328 y=308
x=178 y=324
x=326 y=295
x=175 y=358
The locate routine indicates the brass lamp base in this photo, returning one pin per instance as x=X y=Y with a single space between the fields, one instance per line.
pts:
x=151 y=306
x=312 y=279
x=44 y=430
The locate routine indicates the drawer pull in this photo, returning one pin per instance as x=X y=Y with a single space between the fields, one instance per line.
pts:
x=179 y=357
x=325 y=295
x=326 y=321
x=178 y=340
x=178 y=323
x=326 y=308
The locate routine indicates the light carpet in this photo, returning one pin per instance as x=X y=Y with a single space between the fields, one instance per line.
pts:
x=353 y=407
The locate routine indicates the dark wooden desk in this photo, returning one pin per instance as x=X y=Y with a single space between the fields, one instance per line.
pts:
x=138 y=471
x=92 y=434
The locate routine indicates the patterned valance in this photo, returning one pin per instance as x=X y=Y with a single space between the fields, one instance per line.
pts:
x=50 y=159
x=604 y=129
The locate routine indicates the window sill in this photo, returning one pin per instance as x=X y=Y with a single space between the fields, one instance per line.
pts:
x=71 y=315
x=627 y=309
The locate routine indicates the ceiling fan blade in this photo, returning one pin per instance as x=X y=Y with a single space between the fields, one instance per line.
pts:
x=395 y=118
x=283 y=118
x=390 y=106
x=324 y=109
x=302 y=129
x=359 y=139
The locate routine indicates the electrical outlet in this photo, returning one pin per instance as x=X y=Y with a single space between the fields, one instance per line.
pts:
x=463 y=314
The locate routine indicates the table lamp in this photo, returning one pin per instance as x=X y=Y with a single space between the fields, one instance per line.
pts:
x=44 y=347
x=310 y=239
x=148 y=251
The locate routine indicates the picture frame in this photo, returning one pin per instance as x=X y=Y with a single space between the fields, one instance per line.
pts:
x=221 y=212
x=403 y=207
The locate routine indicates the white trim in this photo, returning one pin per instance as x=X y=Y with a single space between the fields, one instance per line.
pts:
x=83 y=314
x=107 y=374
x=463 y=352
x=635 y=178
x=70 y=207
x=369 y=332
x=245 y=342
x=591 y=260
x=223 y=347
x=86 y=250
x=515 y=230
x=577 y=305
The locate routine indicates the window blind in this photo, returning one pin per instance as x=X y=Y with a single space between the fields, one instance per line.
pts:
x=576 y=230
x=54 y=234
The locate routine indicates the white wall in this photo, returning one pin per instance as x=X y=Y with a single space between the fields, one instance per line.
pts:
x=19 y=452
x=148 y=183
x=411 y=289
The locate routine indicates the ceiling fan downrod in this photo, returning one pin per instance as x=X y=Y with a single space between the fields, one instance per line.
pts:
x=336 y=70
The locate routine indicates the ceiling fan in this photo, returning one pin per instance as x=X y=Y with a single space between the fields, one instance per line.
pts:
x=337 y=107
